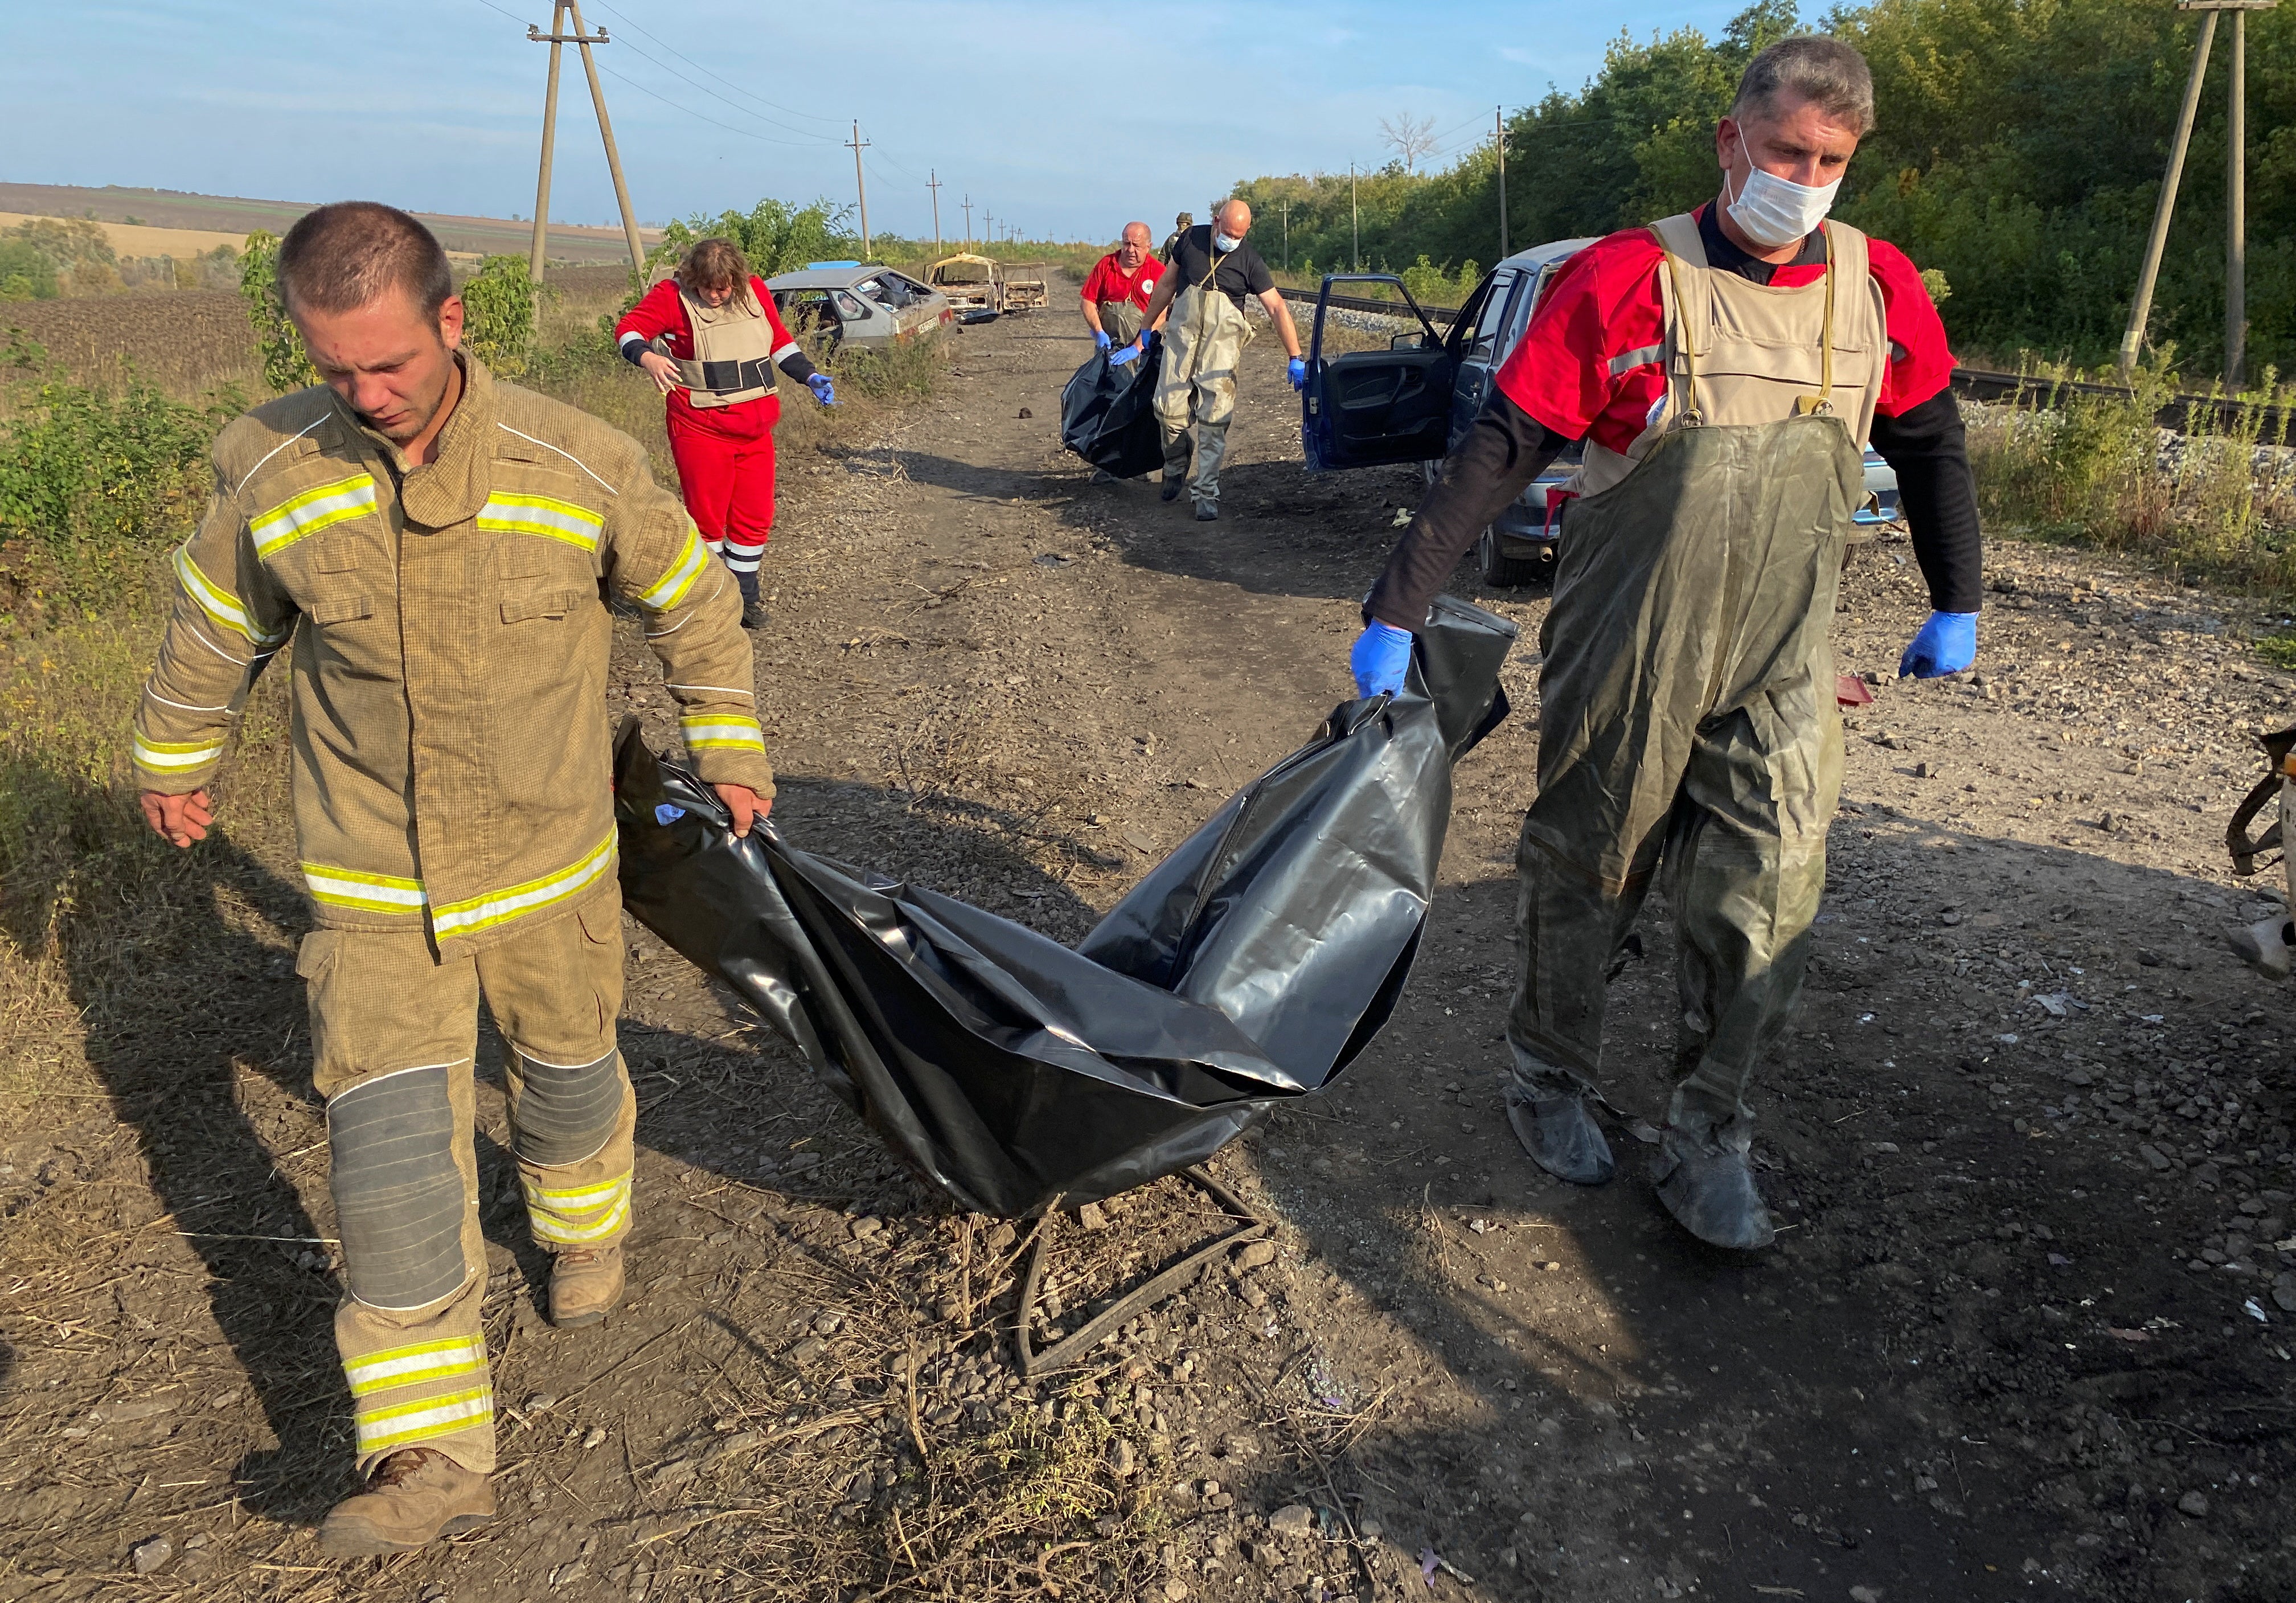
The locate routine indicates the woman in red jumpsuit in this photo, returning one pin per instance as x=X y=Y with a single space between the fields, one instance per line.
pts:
x=709 y=338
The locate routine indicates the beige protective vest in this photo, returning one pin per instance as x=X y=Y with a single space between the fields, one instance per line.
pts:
x=1755 y=353
x=732 y=351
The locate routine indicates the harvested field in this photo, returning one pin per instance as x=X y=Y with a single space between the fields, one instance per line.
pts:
x=232 y=214
x=185 y=340
x=132 y=240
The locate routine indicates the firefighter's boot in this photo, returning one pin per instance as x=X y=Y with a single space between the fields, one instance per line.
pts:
x=585 y=1284
x=414 y=1498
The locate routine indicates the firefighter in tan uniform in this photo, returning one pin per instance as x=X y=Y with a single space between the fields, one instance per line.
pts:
x=1212 y=272
x=433 y=549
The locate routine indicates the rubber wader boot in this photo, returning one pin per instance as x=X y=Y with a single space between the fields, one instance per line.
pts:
x=2267 y=947
x=1560 y=1135
x=414 y=1498
x=1172 y=489
x=1710 y=1190
x=585 y=1284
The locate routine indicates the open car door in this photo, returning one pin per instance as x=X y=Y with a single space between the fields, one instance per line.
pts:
x=1364 y=408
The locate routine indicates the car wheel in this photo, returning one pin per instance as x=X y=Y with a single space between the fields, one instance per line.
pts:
x=1509 y=572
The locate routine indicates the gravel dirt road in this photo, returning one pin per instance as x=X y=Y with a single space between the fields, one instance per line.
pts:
x=2027 y=1331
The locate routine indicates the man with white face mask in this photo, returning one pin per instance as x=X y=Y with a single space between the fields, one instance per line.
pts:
x=1725 y=369
x=1212 y=273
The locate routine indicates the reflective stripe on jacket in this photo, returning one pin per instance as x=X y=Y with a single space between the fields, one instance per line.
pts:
x=449 y=639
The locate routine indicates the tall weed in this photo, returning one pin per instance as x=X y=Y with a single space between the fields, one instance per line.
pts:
x=70 y=836
x=286 y=364
x=2100 y=470
x=907 y=369
x=97 y=478
x=499 y=314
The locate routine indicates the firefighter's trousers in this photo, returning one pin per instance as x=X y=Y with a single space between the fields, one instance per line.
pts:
x=1687 y=721
x=1204 y=338
x=394 y=1034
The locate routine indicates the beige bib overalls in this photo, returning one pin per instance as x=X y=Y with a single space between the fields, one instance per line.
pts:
x=1203 y=339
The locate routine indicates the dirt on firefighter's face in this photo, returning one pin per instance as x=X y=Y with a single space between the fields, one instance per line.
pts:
x=394 y=366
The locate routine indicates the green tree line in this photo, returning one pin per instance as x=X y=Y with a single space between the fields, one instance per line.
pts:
x=2019 y=149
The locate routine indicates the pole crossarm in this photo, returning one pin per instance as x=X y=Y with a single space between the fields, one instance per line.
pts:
x=571 y=10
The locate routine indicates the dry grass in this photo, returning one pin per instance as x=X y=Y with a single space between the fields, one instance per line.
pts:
x=2100 y=471
x=917 y=1468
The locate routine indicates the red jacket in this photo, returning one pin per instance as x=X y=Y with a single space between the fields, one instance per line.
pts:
x=661 y=314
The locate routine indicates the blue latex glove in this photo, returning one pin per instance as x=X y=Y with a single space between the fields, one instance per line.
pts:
x=1948 y=643
x=1130 y=353
x=823 y=392
x=1100 y=340
x=1299 y=373
x=1381 y=654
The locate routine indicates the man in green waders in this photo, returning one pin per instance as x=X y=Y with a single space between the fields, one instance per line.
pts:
x=1212 y=272
x=1726 y=369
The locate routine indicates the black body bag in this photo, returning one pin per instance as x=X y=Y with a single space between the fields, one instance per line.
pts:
x=1248 y=968
x=1105 y=415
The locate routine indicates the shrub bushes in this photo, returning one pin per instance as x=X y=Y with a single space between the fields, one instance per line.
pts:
x=96 y=478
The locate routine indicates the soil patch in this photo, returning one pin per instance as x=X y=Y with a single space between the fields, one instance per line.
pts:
x=2025 y=1330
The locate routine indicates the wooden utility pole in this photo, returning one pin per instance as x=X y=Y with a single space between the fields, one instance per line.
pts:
x=933 y=184
x=571 y=10
x=2236 y=208
x=1498 y=116
x=2140 y=310
x=967 y=220
x=856 y=144
x=1354 y=225
x=1287 y=237
x=533 y=255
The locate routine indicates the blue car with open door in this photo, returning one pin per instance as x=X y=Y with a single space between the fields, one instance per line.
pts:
x=1415 y=400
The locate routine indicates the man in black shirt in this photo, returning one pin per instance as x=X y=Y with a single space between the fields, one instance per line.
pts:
x=1212 y=273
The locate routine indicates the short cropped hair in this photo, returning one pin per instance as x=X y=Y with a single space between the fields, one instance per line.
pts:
x=716 y=264
x=1826 y=72
x=350 y=254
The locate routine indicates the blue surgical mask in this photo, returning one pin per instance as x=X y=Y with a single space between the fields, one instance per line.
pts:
x=1222 y=243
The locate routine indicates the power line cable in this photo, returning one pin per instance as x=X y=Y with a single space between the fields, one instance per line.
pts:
x=676 y=105
x=712 y=121
x=805 y=135
x=698 y=67
x=896 y=161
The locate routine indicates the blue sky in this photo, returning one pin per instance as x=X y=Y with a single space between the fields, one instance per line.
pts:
x=1066 y=119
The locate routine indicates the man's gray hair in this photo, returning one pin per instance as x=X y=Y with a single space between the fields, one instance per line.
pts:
x=1826 y=72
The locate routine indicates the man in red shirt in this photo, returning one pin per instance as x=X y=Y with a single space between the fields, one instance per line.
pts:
x=1115 y=291
x=1724 y=368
